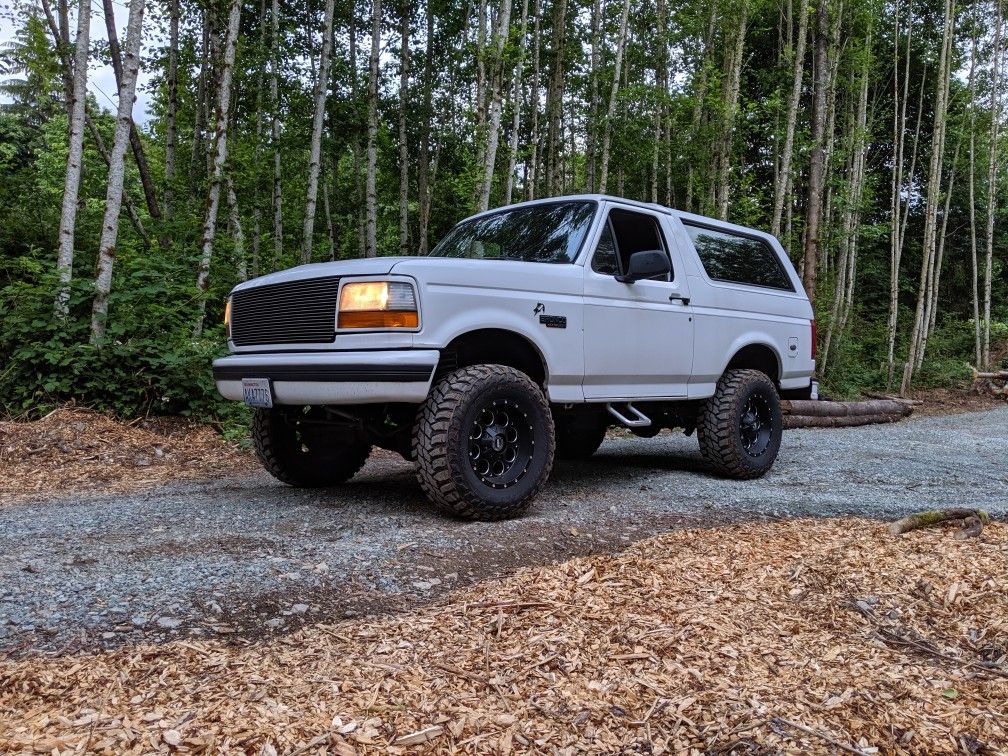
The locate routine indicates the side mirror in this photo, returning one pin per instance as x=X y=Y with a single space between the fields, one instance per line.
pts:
x=649 y=263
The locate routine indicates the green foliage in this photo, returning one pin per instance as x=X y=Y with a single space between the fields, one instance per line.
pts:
x=150 y=366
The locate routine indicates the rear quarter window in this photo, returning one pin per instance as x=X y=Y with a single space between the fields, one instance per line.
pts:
x=738 y=259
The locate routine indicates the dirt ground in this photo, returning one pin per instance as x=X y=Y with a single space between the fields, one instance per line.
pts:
x=811 y=636
x=75 y=450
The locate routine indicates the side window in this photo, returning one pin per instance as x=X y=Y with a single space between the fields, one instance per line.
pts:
x=626 y=232
x=604 y=260
x=738 y=259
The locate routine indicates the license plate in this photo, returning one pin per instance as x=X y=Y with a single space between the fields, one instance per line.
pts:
x=257 y=392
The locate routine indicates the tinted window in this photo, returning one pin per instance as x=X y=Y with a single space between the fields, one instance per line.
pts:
x=740 y=259
x=550 y=233
x=625 y=232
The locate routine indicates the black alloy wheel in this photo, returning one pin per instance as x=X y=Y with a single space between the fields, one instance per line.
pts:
x=501 y=443
x=756 y=426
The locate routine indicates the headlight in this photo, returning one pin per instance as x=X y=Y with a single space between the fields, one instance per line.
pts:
x=377 y=304
x=227 y=317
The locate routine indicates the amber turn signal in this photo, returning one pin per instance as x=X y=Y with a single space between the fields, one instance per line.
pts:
x=378 y=319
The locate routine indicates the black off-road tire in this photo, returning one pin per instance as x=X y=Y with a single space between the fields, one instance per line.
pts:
x=304 y=456
x=579 y=440
x=443 y=442
x=722 y=425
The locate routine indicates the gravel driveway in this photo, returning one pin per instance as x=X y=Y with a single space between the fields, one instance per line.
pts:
x=248 y=557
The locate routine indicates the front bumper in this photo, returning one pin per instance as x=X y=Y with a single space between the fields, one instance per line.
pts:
x=402 y=375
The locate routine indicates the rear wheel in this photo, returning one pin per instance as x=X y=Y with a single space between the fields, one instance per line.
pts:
x=484 y=443
x=299 y=449
x=740 y=427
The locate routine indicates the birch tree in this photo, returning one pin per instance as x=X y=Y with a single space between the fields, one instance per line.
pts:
x=500 y=36
x=116 y=174
x=219 y=157
x=817 y=166
x=75 y=156
x=933 y=195
x=172 y=109
x=975 y=269
x=237 y=233
x=371 y=248
x=275 y=131
x=992 y=168
x=516 y=106
x=136 y=145
x=404 y=60
x=733 y=80
x=315 y=159
x=613 y=94
x=794 y=98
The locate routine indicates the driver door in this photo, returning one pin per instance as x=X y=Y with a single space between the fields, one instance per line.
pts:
x=638 y=337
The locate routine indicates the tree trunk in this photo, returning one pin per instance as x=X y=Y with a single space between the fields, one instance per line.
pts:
x=516 y=106
x=817 y=166
x=150 y=194
x=237 y=234
x=779 y=191
x=257 y=160
x=172 y=109
x=902 y=226
x=992 y=167
x=699 y=96
x=975 y=271
x=933 y=195
x=731 y=95
x=531 y=171
x=899 y=132
x=937 y=517
x=275 y=133
x=199 y=120
x=330 y=230
x=75 y=161
x=423 y=167
x=843 y=294
x=404 y=53
x=500 y=37
x=371 y=248
x=593 y=99
x=613 y=94
x=554 y=99
x=219 y=156
x=117 y=169
x=318 y=119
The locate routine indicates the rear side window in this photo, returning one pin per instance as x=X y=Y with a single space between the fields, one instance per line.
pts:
x=738 y=259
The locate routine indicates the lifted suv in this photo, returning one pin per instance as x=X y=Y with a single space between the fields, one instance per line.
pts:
x=522 y=336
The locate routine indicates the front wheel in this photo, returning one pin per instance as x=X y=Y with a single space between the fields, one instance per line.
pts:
x=740 y=427
x=484 y=443
x=298 y=448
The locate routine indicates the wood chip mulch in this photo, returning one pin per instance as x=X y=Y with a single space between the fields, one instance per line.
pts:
x=820 y=636
x=75 y=450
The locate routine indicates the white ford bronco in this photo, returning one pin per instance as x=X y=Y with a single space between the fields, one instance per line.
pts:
x=525 y=333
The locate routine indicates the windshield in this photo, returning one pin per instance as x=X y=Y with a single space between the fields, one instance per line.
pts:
x=550 y=233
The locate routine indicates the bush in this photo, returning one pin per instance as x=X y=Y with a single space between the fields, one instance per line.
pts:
x=149 y=363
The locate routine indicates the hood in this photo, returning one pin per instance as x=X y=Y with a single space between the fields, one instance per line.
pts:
x=365 y=266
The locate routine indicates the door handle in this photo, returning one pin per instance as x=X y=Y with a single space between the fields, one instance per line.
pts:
x=679 y=298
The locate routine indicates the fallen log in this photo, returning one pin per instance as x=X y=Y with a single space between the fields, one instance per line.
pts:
x=850 y=421
x=873 y=408
x=971 y=520
x=996 y=374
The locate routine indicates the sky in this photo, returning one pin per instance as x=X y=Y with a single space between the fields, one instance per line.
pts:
x=101 y=78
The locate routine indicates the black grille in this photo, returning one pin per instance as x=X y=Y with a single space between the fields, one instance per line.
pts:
x=293 y=312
